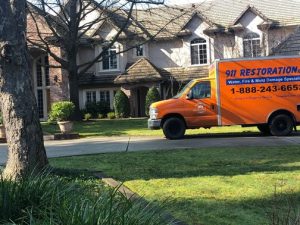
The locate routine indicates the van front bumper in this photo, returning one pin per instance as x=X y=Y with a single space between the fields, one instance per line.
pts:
x=154 y=124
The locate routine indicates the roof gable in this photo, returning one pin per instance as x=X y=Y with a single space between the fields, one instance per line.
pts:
x=141 y=71
x=250 y=9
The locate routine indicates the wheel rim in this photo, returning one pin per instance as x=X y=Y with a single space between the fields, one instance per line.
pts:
x=281 y=125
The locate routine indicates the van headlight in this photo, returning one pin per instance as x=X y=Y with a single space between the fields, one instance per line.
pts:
x=153 y=112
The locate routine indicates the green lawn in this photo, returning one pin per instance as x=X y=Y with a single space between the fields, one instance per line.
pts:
x=133 y=127
x=207 y=186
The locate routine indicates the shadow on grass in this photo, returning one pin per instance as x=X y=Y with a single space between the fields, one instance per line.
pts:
x=233 y=134
x=100 y=127
x=187 y=163
x=273 y=210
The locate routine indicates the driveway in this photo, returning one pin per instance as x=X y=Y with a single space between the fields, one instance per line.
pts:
x=120 y=144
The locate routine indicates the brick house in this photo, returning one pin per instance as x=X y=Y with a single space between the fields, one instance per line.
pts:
x=181 y=51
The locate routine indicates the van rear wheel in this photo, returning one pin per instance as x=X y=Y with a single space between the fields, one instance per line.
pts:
x=174 y=128
x=281 y=125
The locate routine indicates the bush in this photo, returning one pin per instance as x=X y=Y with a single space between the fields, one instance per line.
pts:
x=101 y=116
x=121 y=105
x=61 y=111
x=111 y=115
x=87 y=116
x=47 y=199
x=152 y=96
x=96 y=108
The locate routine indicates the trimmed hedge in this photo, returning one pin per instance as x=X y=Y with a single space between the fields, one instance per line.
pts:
x=152 y=96
x=121 y=105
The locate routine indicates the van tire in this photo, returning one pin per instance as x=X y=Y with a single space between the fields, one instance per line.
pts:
x=281 y=125
x=174 y=128
x=264 y=129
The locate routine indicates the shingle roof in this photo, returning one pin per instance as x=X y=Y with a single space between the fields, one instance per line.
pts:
x=290 y=46
x=217 y=13
x=141 y=71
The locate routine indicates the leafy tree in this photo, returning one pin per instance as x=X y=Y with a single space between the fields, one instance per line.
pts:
x=26 y=150
x=65 y=24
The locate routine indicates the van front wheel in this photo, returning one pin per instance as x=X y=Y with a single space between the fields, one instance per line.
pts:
x=281 y=125
x=174 y=128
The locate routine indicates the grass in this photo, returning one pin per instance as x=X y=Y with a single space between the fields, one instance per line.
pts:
x=50 y=199
x=133 y=127
x=207 y=186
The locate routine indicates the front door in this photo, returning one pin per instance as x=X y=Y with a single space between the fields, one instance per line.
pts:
x=202 y=105
x=42 y=85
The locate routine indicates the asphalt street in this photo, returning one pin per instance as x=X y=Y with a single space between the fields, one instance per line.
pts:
x=120 y=144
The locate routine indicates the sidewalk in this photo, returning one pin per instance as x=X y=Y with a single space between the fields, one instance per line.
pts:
x=121 y=144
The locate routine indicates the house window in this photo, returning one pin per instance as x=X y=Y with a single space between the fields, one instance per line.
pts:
x=198 y=51
x=251 y=44
x=139 y=51
x=110 y=59
x=104 y=96
x=91 y=96
x=42 y=85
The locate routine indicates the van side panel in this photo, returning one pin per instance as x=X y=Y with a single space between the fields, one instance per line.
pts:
x=250 y=90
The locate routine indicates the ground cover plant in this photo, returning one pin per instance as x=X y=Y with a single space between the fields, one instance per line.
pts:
x=209 y=186
x=51 y=199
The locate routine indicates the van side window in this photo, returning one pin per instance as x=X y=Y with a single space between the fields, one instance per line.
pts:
x=201 y=90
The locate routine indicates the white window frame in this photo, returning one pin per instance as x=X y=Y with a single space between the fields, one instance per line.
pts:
x=251 y=40
x=199 y=55
x=85 y=95
x=97 y=90
x=100 y=65
x=44 y=87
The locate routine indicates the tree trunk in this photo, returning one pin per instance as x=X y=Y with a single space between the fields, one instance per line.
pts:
x=74 y=94
x=26 y=150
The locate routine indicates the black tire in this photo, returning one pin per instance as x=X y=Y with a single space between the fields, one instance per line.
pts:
x=264 y=129
x=281 y=125
x=174 y=128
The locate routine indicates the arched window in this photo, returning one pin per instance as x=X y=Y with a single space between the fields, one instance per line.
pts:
x=251 y=44
x=198 y=51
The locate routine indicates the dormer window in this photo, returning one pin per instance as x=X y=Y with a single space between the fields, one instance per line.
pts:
x=198 y=51
x=251 y=45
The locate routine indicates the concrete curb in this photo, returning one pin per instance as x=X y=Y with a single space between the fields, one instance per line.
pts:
x=130 y=195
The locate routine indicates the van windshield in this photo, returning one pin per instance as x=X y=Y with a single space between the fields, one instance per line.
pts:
x=179 y=94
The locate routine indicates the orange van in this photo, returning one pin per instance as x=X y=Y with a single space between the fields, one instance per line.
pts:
x=262 y=92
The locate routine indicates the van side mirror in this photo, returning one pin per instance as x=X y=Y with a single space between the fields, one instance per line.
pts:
x=189 y=95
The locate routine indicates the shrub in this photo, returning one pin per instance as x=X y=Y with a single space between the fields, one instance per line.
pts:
x=121 y=105
x=111 y=115
x=47 y=199
x=152 y=96
x=95 y=108
x=101 y=116
x=87 y=116
x=61 y=111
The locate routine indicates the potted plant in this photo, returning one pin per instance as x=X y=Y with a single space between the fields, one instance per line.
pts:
x=61 y=113
x=2 y=128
